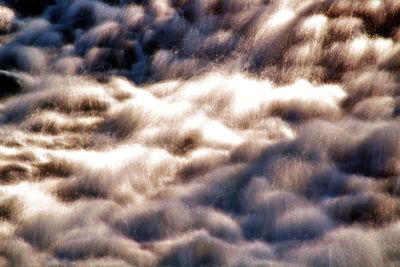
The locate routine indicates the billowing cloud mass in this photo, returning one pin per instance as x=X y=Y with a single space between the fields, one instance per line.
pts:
x=199 y=133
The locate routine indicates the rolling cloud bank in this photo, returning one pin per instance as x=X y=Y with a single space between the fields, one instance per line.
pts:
x=200 y=133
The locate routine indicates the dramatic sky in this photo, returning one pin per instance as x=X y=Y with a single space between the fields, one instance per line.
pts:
x=200 y=133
